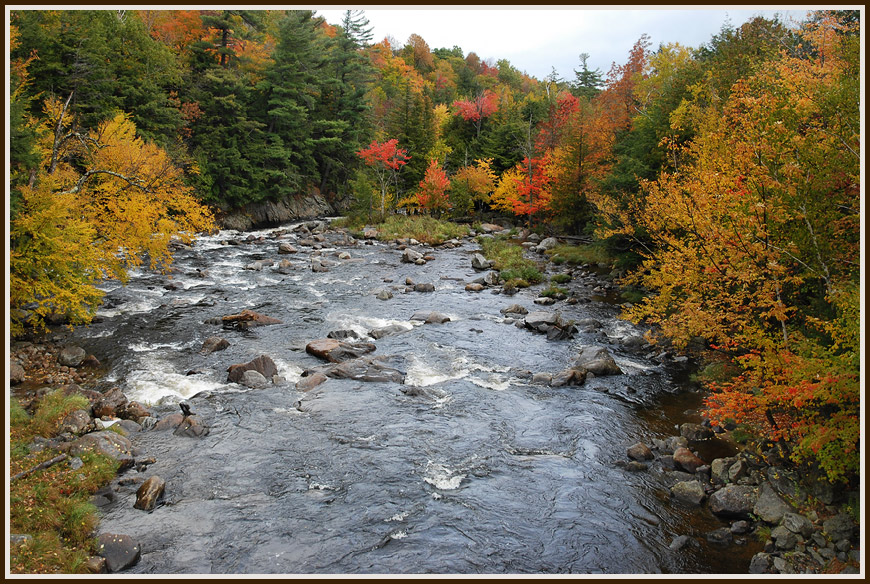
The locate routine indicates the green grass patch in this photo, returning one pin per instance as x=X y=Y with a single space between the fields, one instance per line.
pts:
x=52 y=505
x=580 y=254
x=423 y=228
x=560 y=278
x=554 y=291
x=508 y=259
x=632 y=294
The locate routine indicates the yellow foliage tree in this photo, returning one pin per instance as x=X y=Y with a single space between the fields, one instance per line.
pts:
x=77 y=227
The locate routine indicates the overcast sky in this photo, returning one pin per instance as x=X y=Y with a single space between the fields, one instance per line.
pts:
x=535 y=39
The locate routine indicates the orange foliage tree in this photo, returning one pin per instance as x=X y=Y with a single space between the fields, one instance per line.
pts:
x=756 y=247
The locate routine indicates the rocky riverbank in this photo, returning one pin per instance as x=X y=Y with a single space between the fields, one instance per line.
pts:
x=754 y=495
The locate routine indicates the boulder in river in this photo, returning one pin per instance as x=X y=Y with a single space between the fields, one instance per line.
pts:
x=71 y=356
x=262 y=365
x=120 y=551
x=247 y=319
x=371 y=369
x=690 y=492
x=384 y=331
x=286 y=248
x=253 y=379
x=335 y=351
x=105 y=442
x=551 y=324
x=597 y=360
x=686 y=460
x=149 y=493
x=695 y=432
x=212 y=344
x=478 y=262
x=424 y=287
x=430 y=317
x=769 y=506
x=410 y=256
x=639 y=451
x=309 y=382
x=110 y=403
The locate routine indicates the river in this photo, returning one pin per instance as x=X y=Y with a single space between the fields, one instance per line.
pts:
x=466 y=468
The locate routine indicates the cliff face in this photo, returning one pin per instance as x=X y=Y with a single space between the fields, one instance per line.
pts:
x=269 y=213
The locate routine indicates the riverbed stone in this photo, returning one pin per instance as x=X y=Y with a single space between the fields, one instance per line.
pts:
x=770 y=507
x=597 y=360
x=410 y=256
x=797 y=524
x=212 y=344
x=309 y=382
x=785 y=540
x=682 y=541
x=253 y=379
x=639 y=451
x=120 y=551
x=760 y=563
x=262 y=365
x=515 y=309
x=134 y=411
x=384 y=294
x=247 y=319
x=839 y=527
x=474 y=287
x=16 y=373
x=686 y=460
x=334 y=350
x=568 y=377
x=695 y=432
x=721 y=536
x=149 y=493
x=719 y=468
x=430 y=317
x=71 y=356
x=478 y=262
x=384 y=331
x=548 y=244
x=77 y=422
x=733 y=501
x=286 y=248
x=691 y=492
x=424 y=287
x=110 y=403
x=376 y=369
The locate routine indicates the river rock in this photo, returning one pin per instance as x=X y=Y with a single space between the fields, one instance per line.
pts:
x=78 y=422
x=384 y=331
x=544 y=301
x=134 y=411
x=515 y=309
x=253 y=379
x=103 y=442
x=719 y=468
x=474 y=287
x=597 y=360
x=384 y=294
x=681 y=542
x=568 y=377
x=286 y=248
x=342 y=334
x=797 y=524
x=247 y=319
x=309 y=382
x=285 y=267
x=639 y=451
x=721 y=536
x=430 y=317
x=785 y=539
x=695 y=432
x=120 y=551
x=110 y=403
x=478 y=262
x=686 y=460
x=212 y=344
x=149 y=492
x=424 y=287
x=377 y=369
x=691 y=492
x=410 y=256
x=262 y=365
x=16 y=373
x=96 y=565
x=735 y=501
x=547 y=244
x=317 y=266
x=71 y=356
x=760 y=563
x=335 y=351
x=770 y=507
x=491 y=278
x=738 y=470
x=839 y=527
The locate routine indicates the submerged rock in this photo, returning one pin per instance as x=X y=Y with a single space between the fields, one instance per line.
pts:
x=212 y=344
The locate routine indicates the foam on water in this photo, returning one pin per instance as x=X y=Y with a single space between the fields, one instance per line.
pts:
x=142 y=347
x=156 y=381
x=442 y=477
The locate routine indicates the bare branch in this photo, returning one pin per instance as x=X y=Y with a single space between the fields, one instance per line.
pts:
x=134 y=182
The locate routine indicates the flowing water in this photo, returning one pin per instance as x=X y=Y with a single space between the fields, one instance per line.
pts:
x=466 y=468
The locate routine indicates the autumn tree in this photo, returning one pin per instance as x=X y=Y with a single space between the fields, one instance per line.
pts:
x=385 y=160
x=101 y=201
x=472 y=186
x=755 y=247
x=476 y=110
x=432 y=193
